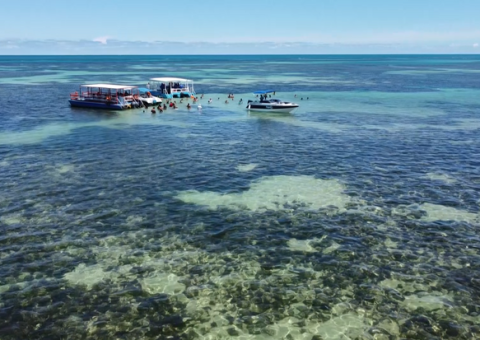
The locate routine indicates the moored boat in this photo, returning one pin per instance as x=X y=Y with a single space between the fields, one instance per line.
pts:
x=106 y=96
x=169 y=87
x=147 y=98
x=265 y=104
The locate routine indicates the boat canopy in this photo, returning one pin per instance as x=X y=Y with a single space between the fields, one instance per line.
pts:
x=170 y=79
x=263 y=92
x=110 y=86
x=143 y=90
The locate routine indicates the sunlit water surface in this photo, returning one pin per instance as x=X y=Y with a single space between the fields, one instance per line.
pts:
x=355 y=217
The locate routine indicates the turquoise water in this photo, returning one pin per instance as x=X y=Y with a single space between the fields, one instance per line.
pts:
x=355 y=217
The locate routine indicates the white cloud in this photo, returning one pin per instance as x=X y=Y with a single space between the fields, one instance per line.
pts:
x=360 y=37
x=399 y=37
x=108 y=45
x=102 y=40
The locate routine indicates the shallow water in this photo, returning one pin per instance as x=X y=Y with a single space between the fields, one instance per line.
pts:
x=355 y=217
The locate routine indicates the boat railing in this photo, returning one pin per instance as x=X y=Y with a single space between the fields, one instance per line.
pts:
x=95 y=96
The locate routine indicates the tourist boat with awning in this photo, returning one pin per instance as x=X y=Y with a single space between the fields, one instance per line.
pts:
x=106 y=96
x=266 y=104
x=169 y=87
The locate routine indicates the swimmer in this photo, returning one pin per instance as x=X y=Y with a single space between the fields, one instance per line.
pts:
x=226 y=101
x=241 y=100
x=210 y=101
x=153 y=111
x=188 y=106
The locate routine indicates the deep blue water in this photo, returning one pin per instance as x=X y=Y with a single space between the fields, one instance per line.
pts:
x=357 y=216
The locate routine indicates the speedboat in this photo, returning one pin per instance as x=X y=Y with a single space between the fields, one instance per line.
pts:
x=169 y=87
x=146 y=97
x=106 y=96
x=265 y=104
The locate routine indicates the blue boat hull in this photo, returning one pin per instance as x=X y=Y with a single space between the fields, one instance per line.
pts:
x=171 y=96
x=82 y=103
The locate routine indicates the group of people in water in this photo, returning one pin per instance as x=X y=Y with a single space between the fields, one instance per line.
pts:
x=230 y=96
x=226 y=100
x=163 y=107
x=173 y=104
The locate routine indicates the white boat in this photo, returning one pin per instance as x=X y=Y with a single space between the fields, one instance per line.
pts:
x=169 y=87
x=265 y=104
x=147 y=99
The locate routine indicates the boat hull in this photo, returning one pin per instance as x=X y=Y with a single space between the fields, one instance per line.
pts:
x=150 y=102
x=171 y=96
x=272 y=108
x=96 y=105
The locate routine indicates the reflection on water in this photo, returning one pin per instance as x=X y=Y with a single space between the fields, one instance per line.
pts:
x=355 y=217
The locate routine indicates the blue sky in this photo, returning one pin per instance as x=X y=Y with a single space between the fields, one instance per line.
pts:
x=239 y=26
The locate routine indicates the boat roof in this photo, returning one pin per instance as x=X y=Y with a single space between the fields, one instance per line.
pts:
x=263 y=92
x=169 y=79
x=111 y=86
x=143 y=89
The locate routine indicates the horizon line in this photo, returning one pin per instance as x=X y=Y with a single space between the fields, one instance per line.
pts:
x=232 y=54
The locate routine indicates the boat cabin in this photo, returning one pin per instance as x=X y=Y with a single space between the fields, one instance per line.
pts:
x=106 y=96
x=263 y=94
x=169 y=87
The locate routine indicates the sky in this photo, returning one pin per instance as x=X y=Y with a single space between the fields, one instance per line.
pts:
x=239 y=26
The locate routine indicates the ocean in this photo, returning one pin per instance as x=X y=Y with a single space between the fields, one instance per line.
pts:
x=354 y=217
